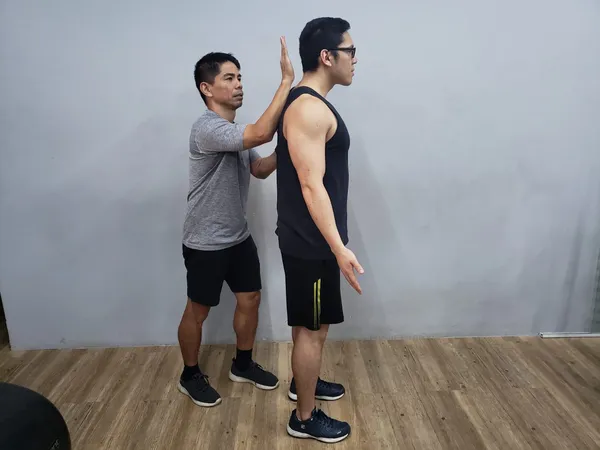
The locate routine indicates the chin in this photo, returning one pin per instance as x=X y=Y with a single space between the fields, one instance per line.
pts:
x=346 y=81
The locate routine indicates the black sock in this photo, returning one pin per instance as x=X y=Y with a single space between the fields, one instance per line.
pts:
x=189 y=372
x=243 y=358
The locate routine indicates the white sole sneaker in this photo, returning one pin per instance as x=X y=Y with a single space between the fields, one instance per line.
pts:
x=300 y=435
x=294 y=397
x=237 y=379
x=203 y=404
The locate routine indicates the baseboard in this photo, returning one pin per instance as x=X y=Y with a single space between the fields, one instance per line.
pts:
x=555 y=335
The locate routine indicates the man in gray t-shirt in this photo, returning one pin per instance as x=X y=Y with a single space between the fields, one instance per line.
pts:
x=219 y=180
x=217 y=245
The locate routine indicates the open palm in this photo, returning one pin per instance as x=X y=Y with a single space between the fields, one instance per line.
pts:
x=287 y=70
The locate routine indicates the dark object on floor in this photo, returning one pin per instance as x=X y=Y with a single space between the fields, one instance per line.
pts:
x=28 y=420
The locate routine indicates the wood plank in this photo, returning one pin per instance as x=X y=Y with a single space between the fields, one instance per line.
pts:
x=492 y=422
x=410 y=422
x=517 y=393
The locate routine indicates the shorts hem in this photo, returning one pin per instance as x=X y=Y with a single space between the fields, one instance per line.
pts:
x=193 y=299
x=246 y=291
x=311 y=327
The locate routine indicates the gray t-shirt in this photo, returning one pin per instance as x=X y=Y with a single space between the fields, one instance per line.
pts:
x=219 y=179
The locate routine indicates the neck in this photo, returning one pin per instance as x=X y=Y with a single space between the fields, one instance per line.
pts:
x=317 y=81
x=225 y=113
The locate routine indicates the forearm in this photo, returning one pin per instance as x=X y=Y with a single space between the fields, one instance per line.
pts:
x=267 y=123
x=319 y=206
x=266 y=166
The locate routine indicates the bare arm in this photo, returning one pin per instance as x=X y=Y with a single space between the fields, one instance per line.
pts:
x=263 y=167
x=264 y=129
x=307 y=124
x=308 y=121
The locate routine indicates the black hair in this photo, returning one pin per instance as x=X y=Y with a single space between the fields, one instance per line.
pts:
x=209 y=66
x=318 y=34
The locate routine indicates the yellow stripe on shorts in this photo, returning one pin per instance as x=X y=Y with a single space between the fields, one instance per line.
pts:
x=317 y=302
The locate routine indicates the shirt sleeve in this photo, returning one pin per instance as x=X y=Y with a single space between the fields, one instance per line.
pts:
x=220 y=135
x=253 y=155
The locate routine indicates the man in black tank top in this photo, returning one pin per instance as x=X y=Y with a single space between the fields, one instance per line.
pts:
x=312 y=190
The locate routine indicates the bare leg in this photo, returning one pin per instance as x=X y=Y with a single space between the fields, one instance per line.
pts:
x=295 y=333
x=245 y=319
x=190 y=331
x=306 y=365
x=192 y=383
x=245 y=323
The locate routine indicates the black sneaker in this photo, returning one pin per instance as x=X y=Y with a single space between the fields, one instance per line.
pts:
x=320 y=427
x=200 y=391
x=255 y=375
x=325 y=390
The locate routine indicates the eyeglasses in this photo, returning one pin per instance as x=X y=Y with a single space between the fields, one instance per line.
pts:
x=349 y=50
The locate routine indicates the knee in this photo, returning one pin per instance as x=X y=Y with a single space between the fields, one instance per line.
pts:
x=249 y=302
x=195 y=312
x=323 y=332
x=314 y=336
x=200 y=318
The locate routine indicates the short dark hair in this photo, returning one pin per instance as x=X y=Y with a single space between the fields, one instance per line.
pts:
x=318 y=34
x=209 y=66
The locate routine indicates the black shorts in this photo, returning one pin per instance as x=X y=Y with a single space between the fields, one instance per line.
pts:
x=313 y=295
x=238 y=266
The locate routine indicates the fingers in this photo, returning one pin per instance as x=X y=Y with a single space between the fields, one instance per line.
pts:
x=357 y=266
x=283 y=45
x=351 y=278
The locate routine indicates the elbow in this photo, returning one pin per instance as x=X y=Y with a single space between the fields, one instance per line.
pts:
x=268 y=137
x=258 y=173
x=310 y=187
x=264 y=174
x=264 y=136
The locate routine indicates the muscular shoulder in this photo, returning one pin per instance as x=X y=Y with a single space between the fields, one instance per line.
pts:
x=309 y=115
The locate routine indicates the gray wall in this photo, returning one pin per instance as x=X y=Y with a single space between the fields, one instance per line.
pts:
x=474 y=203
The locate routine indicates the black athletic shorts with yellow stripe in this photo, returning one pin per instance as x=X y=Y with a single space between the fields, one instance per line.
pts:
x=312 y=288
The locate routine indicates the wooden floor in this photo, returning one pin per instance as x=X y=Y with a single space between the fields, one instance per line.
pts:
x=495 y=393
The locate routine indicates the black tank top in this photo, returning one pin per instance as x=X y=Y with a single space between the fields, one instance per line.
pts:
x=298 y=235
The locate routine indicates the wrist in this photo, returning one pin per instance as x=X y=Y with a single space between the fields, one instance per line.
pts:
x=337 y=249
x=286 y=82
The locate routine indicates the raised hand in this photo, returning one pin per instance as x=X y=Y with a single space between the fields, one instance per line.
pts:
x=287 y=71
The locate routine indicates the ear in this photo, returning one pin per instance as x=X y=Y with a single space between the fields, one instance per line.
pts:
x=205 y=89
x=325 y=57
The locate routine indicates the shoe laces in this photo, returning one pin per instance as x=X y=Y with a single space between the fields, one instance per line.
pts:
x=255 y=365
x=201 y=381
x=324 y=419
x=323 y=383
